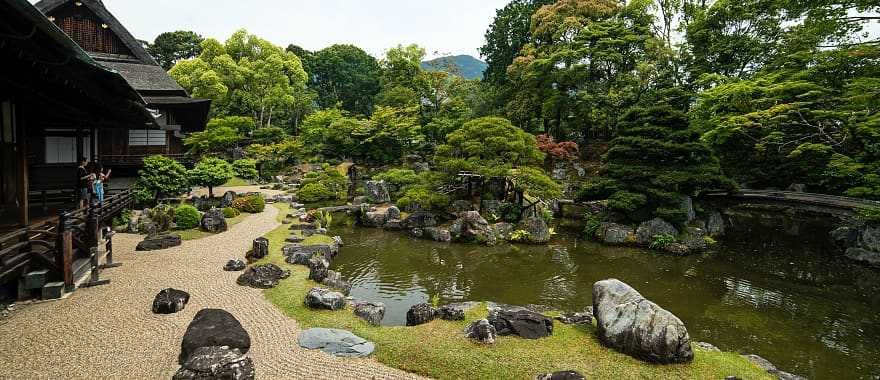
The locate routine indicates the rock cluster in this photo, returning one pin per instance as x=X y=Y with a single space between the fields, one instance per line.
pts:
x=515 y=320
x=377 y=191
x=631 y=324
x=262 y=276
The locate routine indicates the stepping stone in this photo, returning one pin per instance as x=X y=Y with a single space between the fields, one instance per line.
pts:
x=336 y=342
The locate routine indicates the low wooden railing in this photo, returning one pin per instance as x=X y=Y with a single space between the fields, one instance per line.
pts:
x=138 y=159
x=74 y=234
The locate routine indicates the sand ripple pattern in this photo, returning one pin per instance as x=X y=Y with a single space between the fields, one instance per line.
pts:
x=109 y=332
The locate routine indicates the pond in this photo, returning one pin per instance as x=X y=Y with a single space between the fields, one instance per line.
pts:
x=766 y=290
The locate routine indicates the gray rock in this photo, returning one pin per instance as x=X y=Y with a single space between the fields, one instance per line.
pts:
x=845 y=237
x=215 y=362
x=863 y=255
x=377 y=191
x=373 y=219
x=677 y=249
x=560 y=375
x=234 y=265
x=515 y=320
x=327 y=251
x=633 y=325
x=213 y=328
x=613 y=233
x=539 y=232
x=295 y=239
x=420 y=314
x=503 y=230
x=870 y=238
x=335 y=281
x=338 y=241
x=259 y=248
x=336 y=342
x=707 y=347
x=417 y=232
x=262 y=276
x=420 y=219
x=797 y=187
x=158 y=242
x=452 y=312
x=437 y=234
x=227 y=199
x=581 y=172
x=392 y=213
x=771 y=369
x=481 y=331
x=299 y=258
x=394 y=225
x=319 y=269
x=471 y=227
x=360 y=200
x=170 y=301
x=372 y=312
x=320 y=298
x=687 y=204
x=654 y=227
x=582 y=318
x=715 y=224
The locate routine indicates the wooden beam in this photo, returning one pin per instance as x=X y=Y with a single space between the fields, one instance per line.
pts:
x=21 y=153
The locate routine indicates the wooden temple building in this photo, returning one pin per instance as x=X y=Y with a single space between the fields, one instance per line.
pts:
x=73 y=82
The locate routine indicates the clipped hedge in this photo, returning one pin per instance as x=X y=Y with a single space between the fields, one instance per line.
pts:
x=186 y=217
x=230 y=212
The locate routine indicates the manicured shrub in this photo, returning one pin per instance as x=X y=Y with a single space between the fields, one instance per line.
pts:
x=251 y=204
x=245 y=168
x=186 y=217
x=160 y=177
x=314 y=192
x=211 y=172
x=230 y=212
x=425 y=198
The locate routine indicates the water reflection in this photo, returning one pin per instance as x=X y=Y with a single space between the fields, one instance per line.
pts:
x=806 y=310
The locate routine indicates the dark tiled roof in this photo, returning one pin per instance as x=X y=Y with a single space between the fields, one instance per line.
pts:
x=145 y=77
x=96 y=6
x=162 y=100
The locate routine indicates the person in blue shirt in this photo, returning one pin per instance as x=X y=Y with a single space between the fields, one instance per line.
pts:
x=100 y=178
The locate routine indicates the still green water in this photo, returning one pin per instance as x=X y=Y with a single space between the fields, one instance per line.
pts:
x=766 y=291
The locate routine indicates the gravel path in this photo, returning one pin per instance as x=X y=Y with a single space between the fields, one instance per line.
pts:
x=109 y=332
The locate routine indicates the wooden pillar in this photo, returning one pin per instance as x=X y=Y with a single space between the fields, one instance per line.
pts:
x=23 y=184
x=93 y=144
x=79 y=144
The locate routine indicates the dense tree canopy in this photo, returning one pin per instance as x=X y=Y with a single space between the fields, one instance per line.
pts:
x=507 y=34
x=345 y=75
x=246 y=76
x=172 y=47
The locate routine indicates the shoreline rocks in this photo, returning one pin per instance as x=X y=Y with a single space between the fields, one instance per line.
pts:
x=420 y=314
x=515 y=320
x=336 y=342
x=320 y=298
x=372 y=312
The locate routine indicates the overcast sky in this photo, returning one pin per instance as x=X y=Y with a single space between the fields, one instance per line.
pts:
x=445 y=26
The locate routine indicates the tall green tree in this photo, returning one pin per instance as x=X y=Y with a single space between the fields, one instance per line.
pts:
x=219 y=135
x=508 y=33
x=211 y=172
x=245 y=76
x=655 y=160
x=346 y=76
x=171 y=47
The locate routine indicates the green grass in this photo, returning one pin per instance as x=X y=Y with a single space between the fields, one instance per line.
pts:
x=236 y=181
x=197 y=233
x=439 y=349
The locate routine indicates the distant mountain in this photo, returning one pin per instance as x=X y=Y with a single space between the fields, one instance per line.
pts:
x=469 y=67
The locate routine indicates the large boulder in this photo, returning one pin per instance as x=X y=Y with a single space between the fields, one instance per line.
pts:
x=471 y=227
x=335 y=281
x=262 y=276
x=213 y=327
x=393 y=213
x=319 y=268
x=336 y=342
x=654 y=227
x=372 y=312
x=687 y=205
x=513 y=320
x=373 y=219
x=299 y=258
x=453 y=311
x=213 y=221
x=377 y=191
x=319 y=298
x=613 y=233
x=631 y=324
x=419 y=314
x=216 y=363
x=539 y=232
x=715 y=224
x=420 y=219
x=158 y=242
x=259 y=248
x=170 y=301
x=481 y=331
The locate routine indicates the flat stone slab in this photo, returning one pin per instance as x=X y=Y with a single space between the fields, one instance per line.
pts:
x=336 y=342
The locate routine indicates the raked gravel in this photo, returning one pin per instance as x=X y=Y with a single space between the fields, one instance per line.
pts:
x=109 y=332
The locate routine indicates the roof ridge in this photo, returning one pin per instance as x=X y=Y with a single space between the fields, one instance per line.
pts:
x=97 y=6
